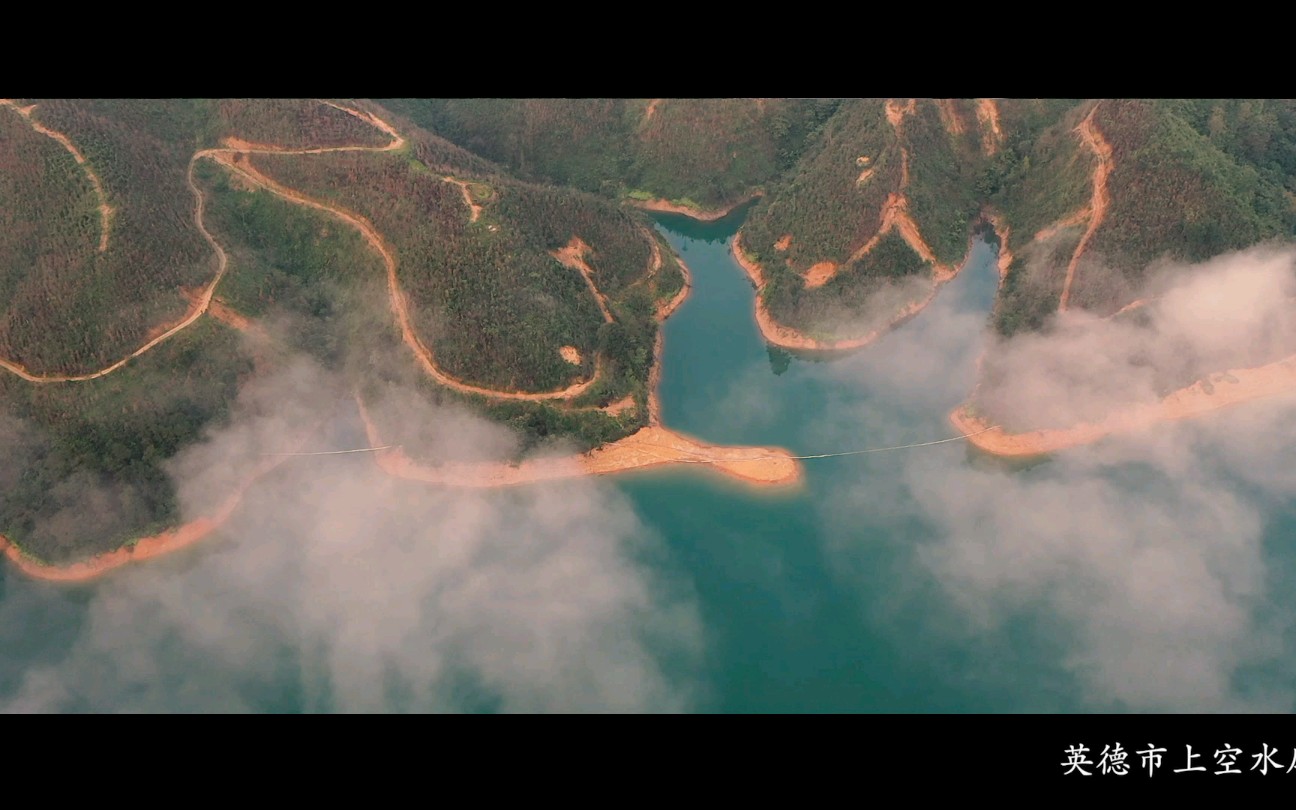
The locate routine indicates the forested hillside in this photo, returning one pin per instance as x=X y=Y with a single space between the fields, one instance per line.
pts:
x=156 y=256
x=702 y=153
x=1169 y=190
x=160 y=255
x=887 y=194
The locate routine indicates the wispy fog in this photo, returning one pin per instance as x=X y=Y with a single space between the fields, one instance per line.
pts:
x=357 y=592
x=1147 y=551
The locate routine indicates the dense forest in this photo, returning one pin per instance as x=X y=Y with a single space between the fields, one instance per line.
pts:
x=702 y=153
x=1188 y=180
x=105 y=303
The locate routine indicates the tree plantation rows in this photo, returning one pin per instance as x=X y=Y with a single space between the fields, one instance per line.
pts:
x=74 y=310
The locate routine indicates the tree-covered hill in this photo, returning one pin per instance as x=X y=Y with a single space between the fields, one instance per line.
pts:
x=243 y=232
x=706 y=153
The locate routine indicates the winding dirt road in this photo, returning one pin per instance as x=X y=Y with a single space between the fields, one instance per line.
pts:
x=203 y=302
x=473 y=208
x=234 y=156
x=895 y=211
x=573 y=256
x=105 y=210
x=1093 y=139
x=650 y=446
x=196 y=310
x=988 y=116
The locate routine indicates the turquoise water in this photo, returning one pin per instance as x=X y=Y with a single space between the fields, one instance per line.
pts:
x=788 y=628
x=806 y=600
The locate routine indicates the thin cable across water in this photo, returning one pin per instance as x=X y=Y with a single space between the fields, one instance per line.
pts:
x=337 y=452
x=704 y=460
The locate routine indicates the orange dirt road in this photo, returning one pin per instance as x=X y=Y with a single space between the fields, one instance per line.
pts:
x=199 y=307
x=105 y=210
x=649 y=447
x=573 y=256
x=400 y=307
x=988 y=116
x=895 y=212
x=474 y=210
x=1093 y=139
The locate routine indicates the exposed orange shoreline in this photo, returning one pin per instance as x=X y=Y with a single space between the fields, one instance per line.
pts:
x=1199 y=398
x=652 y=446
x=701 y=214
x=145 y=548
x=788 y=338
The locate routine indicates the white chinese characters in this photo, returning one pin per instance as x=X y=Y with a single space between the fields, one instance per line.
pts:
x=1112 y=761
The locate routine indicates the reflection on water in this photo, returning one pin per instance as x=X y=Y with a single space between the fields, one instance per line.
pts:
x=780 y=359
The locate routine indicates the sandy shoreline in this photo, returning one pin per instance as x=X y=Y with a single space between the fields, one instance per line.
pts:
x=146 y=548
x=703 y=215
x=652 y=446
x=1247 y=385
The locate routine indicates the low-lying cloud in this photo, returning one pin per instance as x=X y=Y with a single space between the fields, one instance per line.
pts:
x=1231 y=312
x=1150 y=556
x=1147 y=551
x=337 y=588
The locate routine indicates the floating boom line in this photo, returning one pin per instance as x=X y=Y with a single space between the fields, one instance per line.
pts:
x=337 y=452
x=897 y=447
x=836 y=455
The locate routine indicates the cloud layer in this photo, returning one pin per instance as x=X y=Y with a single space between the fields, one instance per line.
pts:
x=1151 y=558
x=336 y=588
x=1148 y=552
x=1232 y=312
